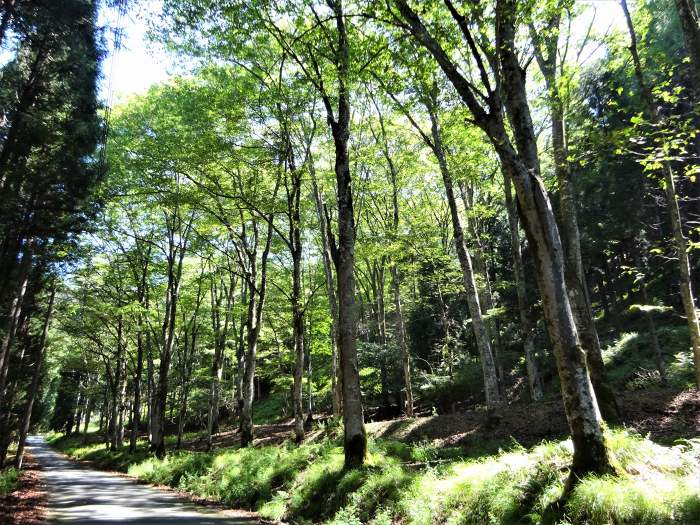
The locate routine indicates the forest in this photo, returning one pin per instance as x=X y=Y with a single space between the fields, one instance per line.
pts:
x=357 y=261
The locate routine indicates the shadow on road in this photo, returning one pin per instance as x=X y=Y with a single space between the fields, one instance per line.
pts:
x=78 y=494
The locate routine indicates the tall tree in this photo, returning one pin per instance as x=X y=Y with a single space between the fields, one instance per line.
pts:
x=522 y=162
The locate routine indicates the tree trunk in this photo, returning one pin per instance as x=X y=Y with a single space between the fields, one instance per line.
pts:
x=527 y=324
x=336 y=380
x=583 y=416
x=253 y=327
x=136 y=419
x=681 y=246
x=117 y=390
x=485 y=291
x=590 y=452
x=176 y=254
x=14 y=315
x=545 y=46
x=401 y=340
x=34 y=387
x=221 y=331
x=483 y=343
x=355 y=437
x=88 y=415
x=296 y=247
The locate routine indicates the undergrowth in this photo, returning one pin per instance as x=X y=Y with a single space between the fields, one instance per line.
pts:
x=422 y=484
x=9 y=480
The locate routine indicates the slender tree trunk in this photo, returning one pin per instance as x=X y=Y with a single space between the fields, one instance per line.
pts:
x=88 y=416
x=545 y=46
x=583 y=416
x=336 y=381
x=117 y=390
x=221 y=331
x=249 y=380
x=681 y=245
x=488 y=364
x=527 y=325
x=485 y=292
x=254 y=325
x=79 y=410
x=590 y=452
x=34 y=387
x=150 y=386
x=355 y=437
x=136 y=419
x=296 y=247
x=176 y=254
x=401 y=339
x=395 y=276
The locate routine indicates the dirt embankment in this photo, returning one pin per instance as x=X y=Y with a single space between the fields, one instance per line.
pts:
x=664 y=414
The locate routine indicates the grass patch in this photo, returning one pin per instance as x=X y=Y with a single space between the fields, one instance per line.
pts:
x=9 y=480
x=422 y=484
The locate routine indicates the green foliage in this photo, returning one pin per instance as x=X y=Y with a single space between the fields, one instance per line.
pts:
x=9 y=480
x=631 y=363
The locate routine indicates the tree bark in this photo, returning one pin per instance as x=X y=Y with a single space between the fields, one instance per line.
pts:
x=119 y=390
x=13 y=316
x=176 y=255
x=143 y=300
x=136 y=418
x=221 y=331
x=355 y=436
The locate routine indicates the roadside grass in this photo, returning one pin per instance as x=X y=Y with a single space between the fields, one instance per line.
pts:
x=424 y=484
x=9 y=480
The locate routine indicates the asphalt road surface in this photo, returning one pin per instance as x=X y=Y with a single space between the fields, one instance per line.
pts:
x=80 y=495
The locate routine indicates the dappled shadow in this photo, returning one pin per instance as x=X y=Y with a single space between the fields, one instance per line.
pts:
x=664 y=414
x=81 y=495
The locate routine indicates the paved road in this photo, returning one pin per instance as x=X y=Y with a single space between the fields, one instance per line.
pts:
x=89 y=497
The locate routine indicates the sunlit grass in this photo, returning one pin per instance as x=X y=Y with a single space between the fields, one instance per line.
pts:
x=423 y=484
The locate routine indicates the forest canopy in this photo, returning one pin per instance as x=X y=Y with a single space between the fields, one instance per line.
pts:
x=343 y=212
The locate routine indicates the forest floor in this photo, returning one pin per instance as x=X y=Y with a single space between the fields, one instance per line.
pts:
x=26 y=505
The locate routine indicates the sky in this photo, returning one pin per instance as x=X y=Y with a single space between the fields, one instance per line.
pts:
x=140 y=63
